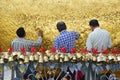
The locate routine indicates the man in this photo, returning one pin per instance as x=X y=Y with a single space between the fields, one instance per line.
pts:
x=98 y=38
x=65 y=39
x=20 y=42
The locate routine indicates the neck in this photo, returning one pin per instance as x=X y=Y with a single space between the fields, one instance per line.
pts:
x=21 y=37
x=93 y=28
x=62 y=30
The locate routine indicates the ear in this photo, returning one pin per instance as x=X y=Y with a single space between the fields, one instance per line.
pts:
x=25 y=34
x=92 y=28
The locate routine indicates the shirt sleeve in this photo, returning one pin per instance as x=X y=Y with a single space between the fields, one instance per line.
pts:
x=56 y=43
x=89 y=43
x=37 y=43
x=11 y=45
x=110 y=42
x=77 y=35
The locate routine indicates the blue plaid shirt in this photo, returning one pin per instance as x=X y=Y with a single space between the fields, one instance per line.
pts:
x=66 y=39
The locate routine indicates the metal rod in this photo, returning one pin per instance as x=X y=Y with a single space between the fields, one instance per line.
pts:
x=12 y=75
x=3 y=71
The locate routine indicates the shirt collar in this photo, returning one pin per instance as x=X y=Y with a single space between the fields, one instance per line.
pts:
x=21 y=38
x=63 y=31
x=98 y=28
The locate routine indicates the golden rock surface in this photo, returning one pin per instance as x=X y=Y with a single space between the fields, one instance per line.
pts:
x=44 y=14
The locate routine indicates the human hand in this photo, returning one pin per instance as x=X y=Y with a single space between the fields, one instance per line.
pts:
x=40 y=33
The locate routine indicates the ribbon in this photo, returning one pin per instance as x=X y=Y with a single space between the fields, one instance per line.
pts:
x=95 y=51
x=33 y=50
x=115 y=51
x=78 y=75
x=78 y=66
x=23 y=50
x=84 y=50
x=105 y=51
x=53 y=50
x=73 y=50
x=63 y=50
x=63 y=68
x=10 y=50
x=42 y=50
x=1 y=49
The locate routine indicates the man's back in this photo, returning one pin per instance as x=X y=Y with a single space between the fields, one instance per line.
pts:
x=99 y=39
x=18 y=43
x=66 y=39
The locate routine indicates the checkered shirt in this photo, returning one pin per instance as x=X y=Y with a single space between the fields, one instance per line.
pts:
x=66 y=39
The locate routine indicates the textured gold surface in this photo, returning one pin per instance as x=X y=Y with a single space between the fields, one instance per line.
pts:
x=43 y=14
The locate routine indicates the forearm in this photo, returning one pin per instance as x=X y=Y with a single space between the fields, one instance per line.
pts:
x=38 y=42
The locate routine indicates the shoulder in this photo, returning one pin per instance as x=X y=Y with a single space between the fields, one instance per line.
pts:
x=57 y=38
x=91 y=34
x=73 y=32
x=15 y=40
x=105 y=32
x=21 y=40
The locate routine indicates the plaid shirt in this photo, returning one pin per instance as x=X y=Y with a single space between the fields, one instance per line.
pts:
x=66 y=39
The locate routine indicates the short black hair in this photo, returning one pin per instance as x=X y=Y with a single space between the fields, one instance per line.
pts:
x=20 y=32
x=61 y=26
x=94 y=23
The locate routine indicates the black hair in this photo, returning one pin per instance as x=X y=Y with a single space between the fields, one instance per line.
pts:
x=20 y=32
x=61 y=26
x=94 y=23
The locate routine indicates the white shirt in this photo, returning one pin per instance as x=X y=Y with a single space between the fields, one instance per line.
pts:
x=99 y=39
x=18 y=43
